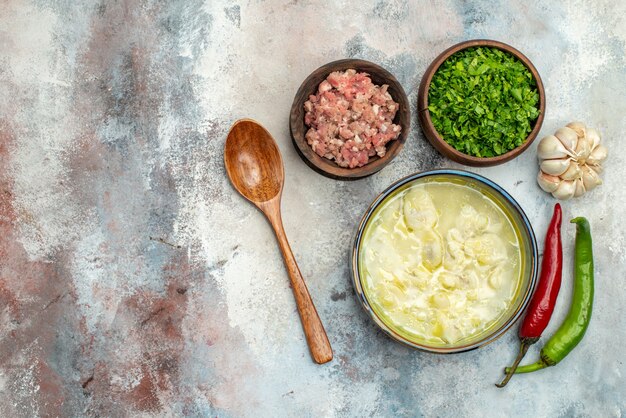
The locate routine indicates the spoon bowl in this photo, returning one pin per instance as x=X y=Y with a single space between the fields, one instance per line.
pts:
x=255 y=168
x=253 y=161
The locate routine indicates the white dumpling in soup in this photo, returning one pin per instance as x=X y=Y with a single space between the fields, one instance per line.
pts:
x=488 y=249
x=432 y=249
x=470 y=222
x=419 y=210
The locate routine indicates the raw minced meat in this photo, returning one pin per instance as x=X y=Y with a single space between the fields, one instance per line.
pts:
x=350 y=119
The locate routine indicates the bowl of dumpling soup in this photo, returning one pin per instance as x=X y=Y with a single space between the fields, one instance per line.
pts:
x=444 y=261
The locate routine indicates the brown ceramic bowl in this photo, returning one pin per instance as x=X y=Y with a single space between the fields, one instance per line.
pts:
x=437 y=141
x=298 y=129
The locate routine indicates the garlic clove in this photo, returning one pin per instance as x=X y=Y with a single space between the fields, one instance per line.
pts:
x=583 y=148
x=578 y=127
x=565 y=190
x=568 y=137
x=555 y=167
x=598 y=155
x=580 y=188
x=547 y=182
x=550 y=147
x=595 y=167
x=573 y=171
x=594 y=136
x=591 y=179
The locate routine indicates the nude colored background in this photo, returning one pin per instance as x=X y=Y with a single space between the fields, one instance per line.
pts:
x=135 y=282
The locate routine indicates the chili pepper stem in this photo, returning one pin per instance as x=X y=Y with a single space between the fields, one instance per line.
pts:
x=526 y=343
x=528 y=367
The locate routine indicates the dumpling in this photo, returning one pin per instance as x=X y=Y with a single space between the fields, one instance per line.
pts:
x=455 y=258
x=432 y=249
x=470 y=222
x=495 y=278
x=488 y=249
x=419 y=276
x=448 y=280
x=419 y=210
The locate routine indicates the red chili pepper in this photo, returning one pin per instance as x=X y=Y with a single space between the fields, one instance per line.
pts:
x=543 y=301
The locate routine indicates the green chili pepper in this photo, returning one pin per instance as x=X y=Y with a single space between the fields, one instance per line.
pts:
x=573 y=328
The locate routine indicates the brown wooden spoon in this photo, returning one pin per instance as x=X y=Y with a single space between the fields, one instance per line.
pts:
x=255 y=168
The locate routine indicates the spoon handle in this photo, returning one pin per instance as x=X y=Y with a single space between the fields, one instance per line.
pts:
x=316 y=337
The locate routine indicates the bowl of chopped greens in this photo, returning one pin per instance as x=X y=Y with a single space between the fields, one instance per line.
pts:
x=481 y=103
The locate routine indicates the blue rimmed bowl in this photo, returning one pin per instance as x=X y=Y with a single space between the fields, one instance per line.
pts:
x=527 y=244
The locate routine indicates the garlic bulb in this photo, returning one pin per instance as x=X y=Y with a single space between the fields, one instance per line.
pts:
x=570 y=161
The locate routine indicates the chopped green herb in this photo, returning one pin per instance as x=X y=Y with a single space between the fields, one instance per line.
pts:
x=482 y=101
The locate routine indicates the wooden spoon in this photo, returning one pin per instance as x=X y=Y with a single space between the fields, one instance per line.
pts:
x=255 y=168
